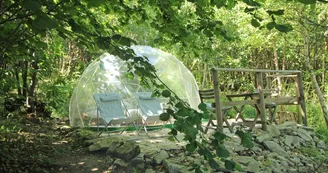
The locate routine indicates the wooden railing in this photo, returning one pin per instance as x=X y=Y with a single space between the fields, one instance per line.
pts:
x=261 y=100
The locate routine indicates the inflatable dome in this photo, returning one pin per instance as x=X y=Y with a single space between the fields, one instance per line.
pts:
x=109 y=74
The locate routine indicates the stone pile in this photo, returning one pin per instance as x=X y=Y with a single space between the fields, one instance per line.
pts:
x=283 y=148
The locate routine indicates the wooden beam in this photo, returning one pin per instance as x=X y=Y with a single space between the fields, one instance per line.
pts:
x=281 y=75
x=300 y=91
x=217 y=95
x=259 y=78
x=257 y=70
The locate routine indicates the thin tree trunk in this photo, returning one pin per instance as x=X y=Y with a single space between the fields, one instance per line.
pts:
x=19 y=91
x=204 y=76
x=276 y=66
x=24 y=77
x=33 y=85
x=314 y=80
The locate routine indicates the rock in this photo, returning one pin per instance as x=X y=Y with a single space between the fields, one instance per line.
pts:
x=253 y=166
x=296 y=160
x=303 y=169
x=274 y=147
x=288 y=140
x=150 y=171
x=127 y=151
x=173 y=166
x=120 y=166
x=273 y=130
x=287 y=124
x=243 y=159
x=263 y=137
x=160 y=157
x=321 y=144
x=104 y=144
x=296 y=141
x=137 y=164
x=304 y=135
x=315 y=139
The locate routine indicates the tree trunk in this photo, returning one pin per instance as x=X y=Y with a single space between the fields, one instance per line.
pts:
x=19 y=91
x=314 y=80
x=276 y=66
x=33 y=85
x=24 y=77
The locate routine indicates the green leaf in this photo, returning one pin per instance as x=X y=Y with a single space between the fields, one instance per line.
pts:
x=122 y=40
x=202 y=106
x=251 y=3
x=166 y=93
x=307 y=2
x=255 y=23
x=218 y=3
x=284 y=28
x=214 y=164
x=238 y=167
x=198 y=170
x=229 y=164
x=221 y=151
x=247 y=10
x=31 y=5
x=171 y=138
x=96 y=3
x=44 y=22
x=192 y=131
x=173 y=132
x=164 y=116
x=191 y=147
x=277 y=12
x=246 y=138
x=271 y=25
x=220 y=137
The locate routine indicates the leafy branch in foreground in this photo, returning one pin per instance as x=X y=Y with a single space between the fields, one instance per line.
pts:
x=187 y=120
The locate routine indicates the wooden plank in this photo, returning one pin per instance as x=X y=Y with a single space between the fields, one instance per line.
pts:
x=283 y=100
x=278 y=101
x=281 y=75
x=259 y=78
x=217 y=94
x=240 y=102
x=301 y=97
x=256 y=70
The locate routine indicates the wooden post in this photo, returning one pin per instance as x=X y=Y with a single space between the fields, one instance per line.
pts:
x=217 y=95
x=301 y=98
x=259 y=79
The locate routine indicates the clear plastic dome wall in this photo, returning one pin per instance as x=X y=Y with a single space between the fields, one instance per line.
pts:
x=109 y=75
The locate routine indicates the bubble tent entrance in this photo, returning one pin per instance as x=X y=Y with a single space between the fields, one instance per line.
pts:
x=108 y=74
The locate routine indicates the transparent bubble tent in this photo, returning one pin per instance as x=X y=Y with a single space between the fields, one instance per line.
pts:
x=108 y=74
